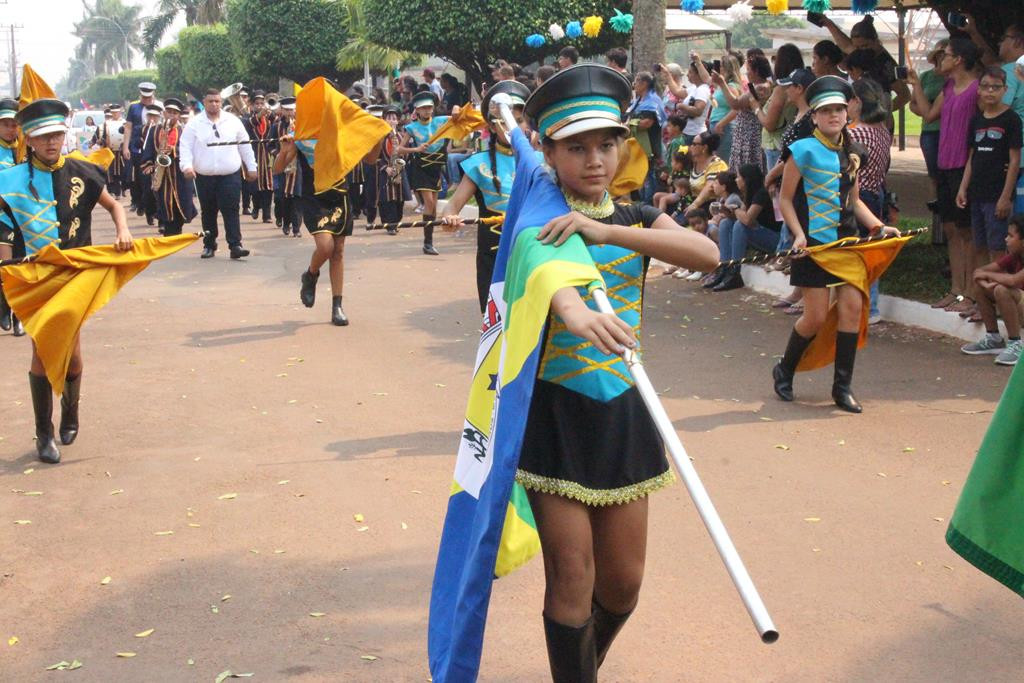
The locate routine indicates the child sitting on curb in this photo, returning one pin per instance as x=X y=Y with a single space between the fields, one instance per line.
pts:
x=999 y=286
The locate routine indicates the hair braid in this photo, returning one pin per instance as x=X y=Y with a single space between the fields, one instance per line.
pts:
x=492 y=150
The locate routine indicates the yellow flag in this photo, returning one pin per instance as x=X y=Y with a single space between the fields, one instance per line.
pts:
x=459 y=126
x=102 y=157
x=55 y=294
x=858 y=266
x=296 y=89
x=33 y=88
x=632 y=170
x=344 y=133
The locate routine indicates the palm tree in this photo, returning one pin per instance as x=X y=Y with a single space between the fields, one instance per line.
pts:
x=360 y=51
x=196 y=12
x=109 y=34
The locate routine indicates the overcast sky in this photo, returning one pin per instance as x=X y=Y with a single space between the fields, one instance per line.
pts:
x=46 y=40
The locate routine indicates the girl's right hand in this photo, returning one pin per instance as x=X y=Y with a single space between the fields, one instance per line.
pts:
x=800 y=245
x=605 y=331
x=451 y=222
x=286 y=142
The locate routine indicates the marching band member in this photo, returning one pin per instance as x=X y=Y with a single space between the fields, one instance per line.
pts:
x=260 y=126
x=53 y=198
x=487 y=177
x=175 y=194
x=286 y=183
x=8 y=153
x=392 y=188
x=144 y=193
x=427 y=163
x=368 y=196
x=110 y=134
x=131 y=147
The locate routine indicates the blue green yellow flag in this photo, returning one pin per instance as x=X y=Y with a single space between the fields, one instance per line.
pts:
x=489 y=529
x=987 y=528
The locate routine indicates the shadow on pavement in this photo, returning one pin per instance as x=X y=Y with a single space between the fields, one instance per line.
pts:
x=412 y=444
x=243 y=335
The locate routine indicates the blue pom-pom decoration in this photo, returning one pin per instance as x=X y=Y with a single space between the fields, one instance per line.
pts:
x=864 y=6
x=574 y=29
x=535 y=40
x=691 y=5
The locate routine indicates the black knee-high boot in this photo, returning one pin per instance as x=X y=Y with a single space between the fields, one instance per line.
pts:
x=846 y=354
x=606 y=627
x=5 y=312
x=69 y=410
x=42 y=405
x=784 y=370
x=428 y=237
x=571 y=651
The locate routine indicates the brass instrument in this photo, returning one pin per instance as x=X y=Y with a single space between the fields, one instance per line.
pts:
x=273 y=101
x=233 y=96
x=395 y=162
x=164 y=157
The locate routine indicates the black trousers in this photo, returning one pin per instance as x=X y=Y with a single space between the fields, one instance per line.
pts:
x=390 y=212
x=247 y=188
x=261 y=202
x=287 y=209
x=220 y=194
x=172 y=228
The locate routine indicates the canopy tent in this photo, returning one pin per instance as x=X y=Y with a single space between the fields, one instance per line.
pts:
x=794 y=5
x=681 y=25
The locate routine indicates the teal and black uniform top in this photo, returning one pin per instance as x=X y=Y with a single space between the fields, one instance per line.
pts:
x=822 y=200
x=421 y=132
x=493 y=185
x=50 y=205
x=571 y=361
x=7 y=153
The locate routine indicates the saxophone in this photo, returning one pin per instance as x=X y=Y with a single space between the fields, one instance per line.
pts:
x=395 y=162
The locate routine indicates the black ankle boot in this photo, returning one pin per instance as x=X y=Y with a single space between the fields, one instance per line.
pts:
x=571 y=652
x=732 y=280
x=42 y=404
x=719 y=275
x=18 y=329
x=428 y=238
x=69 y=410
x=338 y=316
x=846 y=354
x=784 y=370
x=308 y=292
x=606 y=626
x=5 y=312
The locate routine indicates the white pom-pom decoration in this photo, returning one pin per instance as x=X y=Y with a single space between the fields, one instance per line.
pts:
x=740 y=12
x=556 y=32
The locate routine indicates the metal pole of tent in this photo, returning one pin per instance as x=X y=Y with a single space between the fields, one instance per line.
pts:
x=705 y=508
x=901 y=12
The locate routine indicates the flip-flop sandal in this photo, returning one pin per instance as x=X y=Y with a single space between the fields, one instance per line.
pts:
x=945 y=301
x=976 y=318
x=783 y=303
x=795 y=309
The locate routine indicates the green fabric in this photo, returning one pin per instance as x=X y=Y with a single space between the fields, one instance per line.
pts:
x=932 y=83
x=987 y=528
x=1014 y=97
x=772 y=139
x=671 y=148
x=529 y=253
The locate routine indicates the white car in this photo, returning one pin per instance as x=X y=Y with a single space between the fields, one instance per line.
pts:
x=80 y=134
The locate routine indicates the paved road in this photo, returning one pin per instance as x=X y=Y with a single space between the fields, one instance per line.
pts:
x=216 y=407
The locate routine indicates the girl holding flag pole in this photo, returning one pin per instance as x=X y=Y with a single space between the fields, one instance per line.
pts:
x=591 y=452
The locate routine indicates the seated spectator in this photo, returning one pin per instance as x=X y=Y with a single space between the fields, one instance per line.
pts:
x=753 y=221
x=999 y=284
x=706 y=166
x=676 y=178
x=544 y=73
x=674 y=139
x=645 y=117
x=567 y=57
x=697 y=220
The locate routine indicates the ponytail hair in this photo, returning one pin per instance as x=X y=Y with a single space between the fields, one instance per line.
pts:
x=31 y=173
x=492 y=151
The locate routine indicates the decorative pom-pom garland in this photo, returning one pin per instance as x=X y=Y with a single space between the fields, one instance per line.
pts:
x=535 y=40
x=691 y=5
x=864 y=6
x=592 y=26
x=556 y=32
x=574 y=29
x=777 y=6
x=740 y=12
x=818 y=6
x=621 y=23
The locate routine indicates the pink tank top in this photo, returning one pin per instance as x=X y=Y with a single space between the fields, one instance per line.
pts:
x=957 y=112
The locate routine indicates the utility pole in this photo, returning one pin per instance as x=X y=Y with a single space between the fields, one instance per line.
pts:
x=13 y=59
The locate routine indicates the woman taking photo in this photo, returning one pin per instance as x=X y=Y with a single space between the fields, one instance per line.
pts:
x=821 y=204
x=591 y=453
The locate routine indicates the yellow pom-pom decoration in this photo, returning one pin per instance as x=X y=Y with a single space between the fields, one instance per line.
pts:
x=592 y=26
x=777 y=6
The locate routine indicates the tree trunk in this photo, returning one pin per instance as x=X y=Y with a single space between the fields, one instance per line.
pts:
x=648 y=34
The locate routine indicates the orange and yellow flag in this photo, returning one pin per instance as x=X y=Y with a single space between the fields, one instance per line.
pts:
x=859 y=266
x=344 y=133
x=33 y=88
x=632 y=171
x=54 y=294
x=102 y=157
x=457 y=127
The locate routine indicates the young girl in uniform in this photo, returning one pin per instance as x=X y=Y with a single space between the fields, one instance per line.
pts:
x=820 y=202
x=427 y=162
x=591 y=452
x=487 y=177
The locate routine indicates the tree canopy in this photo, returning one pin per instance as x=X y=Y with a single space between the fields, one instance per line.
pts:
x=206 y=57
x=108 y=88
x=108 y=35
x=172 y=73
x=195 y=11
x=472 y=34
x=298 y=39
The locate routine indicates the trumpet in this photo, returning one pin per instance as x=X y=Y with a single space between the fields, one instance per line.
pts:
x=232 y=95
x=273 y=101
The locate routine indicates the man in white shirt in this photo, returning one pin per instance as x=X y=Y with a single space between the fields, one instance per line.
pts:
x=429 y=77
x=216 y=170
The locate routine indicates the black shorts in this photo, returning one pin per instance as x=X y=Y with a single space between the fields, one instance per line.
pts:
x=948 y=185
x=334 y=217
x=804 y=272
x=425 y=172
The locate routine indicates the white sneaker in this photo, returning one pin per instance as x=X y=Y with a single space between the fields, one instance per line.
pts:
x=990 y=344
x=681 y=274
x=694 y=276
x=1010 y=354
x=874 y=319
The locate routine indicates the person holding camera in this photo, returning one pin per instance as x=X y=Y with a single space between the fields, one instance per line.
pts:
x=693 y=101
x=746 y=131
x=645 y=117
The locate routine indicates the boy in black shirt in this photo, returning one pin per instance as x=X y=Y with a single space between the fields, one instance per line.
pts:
x=990 y=178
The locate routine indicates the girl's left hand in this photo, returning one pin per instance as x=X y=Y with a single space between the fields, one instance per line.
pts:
x=123 y=241
x=889 y=231
x=558 y=230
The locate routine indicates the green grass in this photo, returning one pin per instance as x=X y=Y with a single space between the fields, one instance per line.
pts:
x=917 y=272
x=913 y=123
